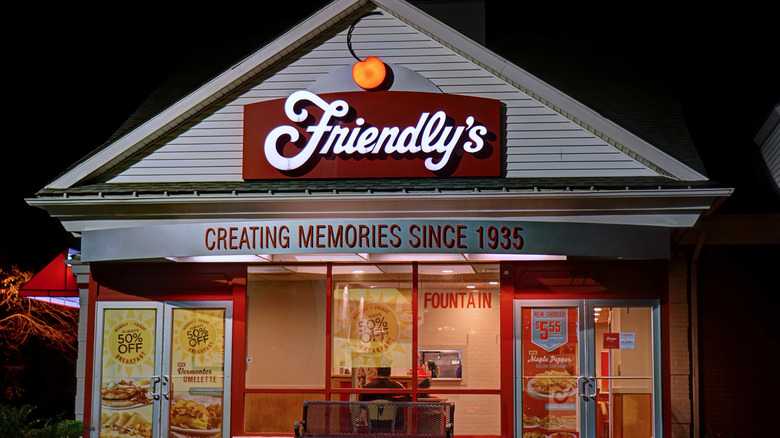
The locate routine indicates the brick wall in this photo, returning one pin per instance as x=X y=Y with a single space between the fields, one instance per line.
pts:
x=738 y=354
x=679 y=348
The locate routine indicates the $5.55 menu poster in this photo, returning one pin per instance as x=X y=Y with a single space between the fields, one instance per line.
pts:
x=550 y=370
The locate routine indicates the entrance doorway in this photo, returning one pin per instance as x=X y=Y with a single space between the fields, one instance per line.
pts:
x=162 y=369
x=587 y=368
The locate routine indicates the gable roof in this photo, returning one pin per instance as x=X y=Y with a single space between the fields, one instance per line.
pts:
x=93 y=168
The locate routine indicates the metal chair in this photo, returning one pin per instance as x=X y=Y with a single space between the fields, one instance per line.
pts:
x=381 y=417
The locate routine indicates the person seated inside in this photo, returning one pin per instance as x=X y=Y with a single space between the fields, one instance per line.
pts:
x=383 y=381
x=425 y=384
x=433 y=368
x=378 y=420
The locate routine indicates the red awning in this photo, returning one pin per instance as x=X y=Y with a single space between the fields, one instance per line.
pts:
x=55 y=280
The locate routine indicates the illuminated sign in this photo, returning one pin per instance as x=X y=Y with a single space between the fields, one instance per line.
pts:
x=371 y=135
x=369 y=74
x=374 y=236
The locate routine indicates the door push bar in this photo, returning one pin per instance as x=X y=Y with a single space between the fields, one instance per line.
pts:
x=586 y=387
x=166 y=390
x=155 y=380
x=166 y=385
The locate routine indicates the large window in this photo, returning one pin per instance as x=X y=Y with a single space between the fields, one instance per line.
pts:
x=366 y=312
x=372 y=319
x=286 y=327
x=458 y=337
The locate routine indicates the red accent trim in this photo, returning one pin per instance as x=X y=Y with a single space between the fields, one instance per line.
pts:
x=238 y=378
x=415 y=331
x=89 y=365
x=507 y=403
x=328 y=325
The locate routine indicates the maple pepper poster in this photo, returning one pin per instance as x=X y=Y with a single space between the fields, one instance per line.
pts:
x=550 y=372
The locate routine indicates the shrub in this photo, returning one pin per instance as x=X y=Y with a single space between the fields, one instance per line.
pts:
x=15 y=422
x=60 y=429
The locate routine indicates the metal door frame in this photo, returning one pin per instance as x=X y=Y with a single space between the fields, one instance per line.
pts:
x=162 y=363
x=587 y=357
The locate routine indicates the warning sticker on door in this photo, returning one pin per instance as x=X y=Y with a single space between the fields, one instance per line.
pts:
x=549 y=328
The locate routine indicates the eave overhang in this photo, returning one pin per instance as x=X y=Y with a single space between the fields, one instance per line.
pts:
x=678 y=207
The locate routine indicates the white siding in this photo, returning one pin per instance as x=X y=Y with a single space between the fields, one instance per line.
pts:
x=771 y=152
x=540 y=142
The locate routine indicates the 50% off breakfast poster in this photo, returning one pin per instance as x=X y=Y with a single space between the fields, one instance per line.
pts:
x=197 y=372
x=128 y=362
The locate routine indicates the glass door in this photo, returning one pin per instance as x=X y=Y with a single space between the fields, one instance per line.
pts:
x=162 y=369
x=587 y=368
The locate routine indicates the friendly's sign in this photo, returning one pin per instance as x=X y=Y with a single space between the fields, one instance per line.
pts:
x=371 y=135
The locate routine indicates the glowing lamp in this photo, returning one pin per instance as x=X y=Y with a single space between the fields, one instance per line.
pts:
x=370 y=73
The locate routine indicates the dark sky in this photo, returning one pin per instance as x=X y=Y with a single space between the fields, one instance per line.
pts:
x=75 y=76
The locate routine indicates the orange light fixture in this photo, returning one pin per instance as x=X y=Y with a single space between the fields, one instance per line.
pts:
x=370 y=73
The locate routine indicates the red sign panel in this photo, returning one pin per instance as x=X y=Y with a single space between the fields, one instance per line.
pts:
x=372 y=135
x=611 y=341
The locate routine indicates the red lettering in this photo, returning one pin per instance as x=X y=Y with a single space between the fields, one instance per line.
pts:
x=393 y=229
x=449 y=243
x=363 y=238
x=232 y=235
x=334 y=239
x=459 y=300
x=209 y=244
x=305 y=239
x=221 y=235
x=434 y=236
x=461 y=236
x=244 y=238
x=350 y=242
x=414 y=241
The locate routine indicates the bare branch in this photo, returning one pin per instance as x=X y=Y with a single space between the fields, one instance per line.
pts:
x=22 y=319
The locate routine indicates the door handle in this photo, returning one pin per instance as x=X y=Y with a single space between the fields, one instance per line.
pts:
x=166 y=387
x=586 y=387
x=592 y=382
x=154 y=393
x=581 y=381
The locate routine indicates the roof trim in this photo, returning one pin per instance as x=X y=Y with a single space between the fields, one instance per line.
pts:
x=207 y=94
x=225 y=83
x=673 y=207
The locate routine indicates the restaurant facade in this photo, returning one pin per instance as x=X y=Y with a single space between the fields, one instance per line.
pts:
x=375 y=189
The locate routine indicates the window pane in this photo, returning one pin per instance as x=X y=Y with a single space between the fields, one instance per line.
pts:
x=372 y=318
x=285 y=327
x=458 y=320
x=274 y=413
x=476 y=414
